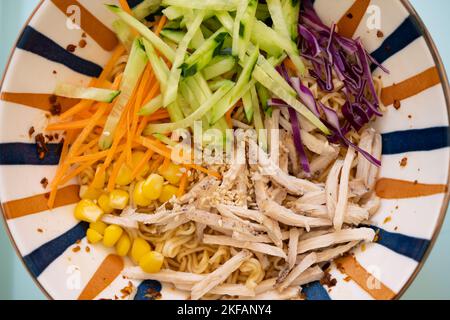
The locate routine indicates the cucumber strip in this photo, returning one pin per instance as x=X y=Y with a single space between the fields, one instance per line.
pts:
x=258 y=120
x=159 y=44
x=170 y=95
x=291 y=9
x=206 y=31
x=196 y=115
x=279 y=23
x=219 y=66
x=247 y=23
x=124 y=33
x=173 y=12
x=151 y=107
x=226 y=20
x=238 y=33
x=173 y=35
x=228 y=5
x=164 y=139
x=276 y=77
x=262 y=12
x=240 y=88
x=76 y=92
x=146 y=8
x=264 y=96
x=267 y=82
x=159 y=67
x=248 y=106
x=203 y=55
x=175 y=112
x=133 y=72
x=216 y=84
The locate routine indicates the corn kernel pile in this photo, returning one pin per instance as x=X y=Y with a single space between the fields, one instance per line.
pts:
x=149 y=188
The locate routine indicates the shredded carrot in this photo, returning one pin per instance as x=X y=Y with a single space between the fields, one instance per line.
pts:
x=72 y=125
x=90 y=157
x=77 y=171
x=161 y=24
x=166 y=163
x=183 y=185
x=115 y=172
x=229 y=114
x=125 y=6
x=158 y=116
x=156 y=164
x=87 y=146
x=145 y=159
x=290 y=65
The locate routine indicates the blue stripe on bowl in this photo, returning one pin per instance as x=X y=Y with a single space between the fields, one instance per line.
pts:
x=407 y=246
x=416 y=140
x=315 y=291
x=38 y=260
x=144 y=288
x=133 y=3
x=26 y=154
x=37 y=43
x=404 y=35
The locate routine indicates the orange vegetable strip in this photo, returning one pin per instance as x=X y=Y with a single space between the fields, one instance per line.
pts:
x=156 y=164
x=108 y=68
x=125 y=6
x=115 y=172
x=290 y=65
x=183 y=185
x=77 y=171
x=229 y=114
x=145 y=159
x=161 y=24
x=87 y=146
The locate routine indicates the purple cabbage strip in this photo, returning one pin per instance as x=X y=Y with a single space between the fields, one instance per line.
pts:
x=296 y=133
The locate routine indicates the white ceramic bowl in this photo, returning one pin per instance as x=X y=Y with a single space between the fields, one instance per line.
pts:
x=415 y=196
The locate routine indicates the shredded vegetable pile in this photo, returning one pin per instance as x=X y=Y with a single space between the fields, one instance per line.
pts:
x=235 y=229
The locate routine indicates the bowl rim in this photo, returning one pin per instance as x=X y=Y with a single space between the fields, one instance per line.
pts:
x=442 y=215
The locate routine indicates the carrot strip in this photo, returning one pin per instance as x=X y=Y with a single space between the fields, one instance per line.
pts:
x=87 y=146
x=145 y=159
x=77 y=171
x=229 y=114
x=125 y=6
x=79 y=124
x=90 y=157
x=108 y=68
x=156 y=164
x=290 y=65
x=115 y=172
x=183 y=185
x=161 y=24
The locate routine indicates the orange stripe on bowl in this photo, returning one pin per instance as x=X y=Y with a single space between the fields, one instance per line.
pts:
x=108 y=271
x=400 y=189
x=348 y=24
x=90 y=24
x=349 y=266
x=38 y=100
x=411 y=86
x=35 y=204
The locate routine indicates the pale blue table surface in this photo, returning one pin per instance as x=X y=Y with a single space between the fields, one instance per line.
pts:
x=433 y=281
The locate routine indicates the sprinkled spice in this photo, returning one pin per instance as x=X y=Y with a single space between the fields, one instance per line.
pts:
x=404 y=162
x=380 y=34
x=44 y=182
x=88 y=249
x=153 y=294
x=52 y=99
x=347 y=279
x=328 y=281
x=350 y=15
x=82 y=43
x=397 y=104
x=84 y=35
x=78 y=241
x=41 y=145
x=31 y=131
x=71 y=48
x=40 y=230
x=387 y=220
x=76 y=249
x=128 y=290
x=54 y=72
x=55 y=109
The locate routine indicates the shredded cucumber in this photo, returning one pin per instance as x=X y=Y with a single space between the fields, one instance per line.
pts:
x=258 y=120
x=133 y=71
x=146 y=8
x=196 y=115
x=203 y=55
x=124 y=33
x=262 y=13
x=159 y=44
x=248 y=106
x=173 y=12
x=291 y=8
x=159 y=67
x=217 y=83
x=264 y=96
x=219 y=66
x=170 y=95
x=247 y=23
x=173 y=35
x=238 y=28
x=165 y=139
x=151 y=107
x=276 y=77
x=228 y=5
x=76 y=92
x=267 y=82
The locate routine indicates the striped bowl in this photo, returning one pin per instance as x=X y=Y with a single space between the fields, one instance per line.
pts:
x=52 y=243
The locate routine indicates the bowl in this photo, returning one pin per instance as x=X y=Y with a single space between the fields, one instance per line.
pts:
x=413 y=181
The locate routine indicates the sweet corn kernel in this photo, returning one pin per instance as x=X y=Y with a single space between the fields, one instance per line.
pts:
x=112 y=235
x=89 y=193
x=124 y=176
x=171 y=173
x=168 y=191
x=98 y=226
x=99 y=182
x=87 y=210
x=151 y=262
x=153 y=186
x=123 y=245
x=93 y=236
x=140 y=247
x=139 y=197
x=136 y=157
x=118 y=199
x=103 y=202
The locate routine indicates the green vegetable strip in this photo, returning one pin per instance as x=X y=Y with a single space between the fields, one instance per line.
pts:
x=267 y=82
x=172 y=84
x=159 y=44
x=276 y=77
x=124 y=33
x=242 y=86
x=133 y=71
x=204 y=54
x=76 y=92
x=258 y=120
x=165 y=139
x=291 y=9
x=219 y=66
x=175 y=112
x=173 y=13
x=237 y=32
x=228 y=5
x=248 y=106
x=264 y=96
x=159 y=67
x=146 y=8
x=248 y=21
x=189 y=121
x=216 y=84
x=151 y=107
x=173 y=35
